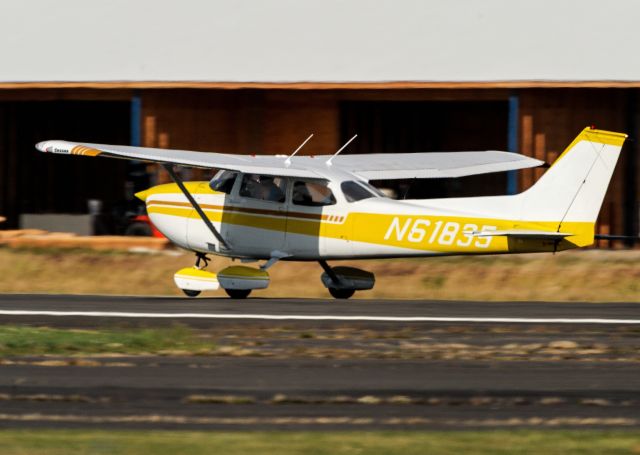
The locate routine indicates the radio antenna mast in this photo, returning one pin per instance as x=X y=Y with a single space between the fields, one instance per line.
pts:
x=341 y=149
x=287 y=162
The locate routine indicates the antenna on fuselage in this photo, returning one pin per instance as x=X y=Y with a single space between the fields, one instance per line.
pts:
x=287 y=162
x=341 y=149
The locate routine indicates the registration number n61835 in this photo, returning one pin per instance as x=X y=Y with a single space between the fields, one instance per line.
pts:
x=421 y=230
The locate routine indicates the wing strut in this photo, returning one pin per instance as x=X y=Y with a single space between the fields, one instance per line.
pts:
x=207 y=221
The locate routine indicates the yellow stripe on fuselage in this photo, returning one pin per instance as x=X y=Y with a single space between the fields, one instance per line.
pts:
x=172 y=188
x=448 y=234
x=433 y=233
x=241 y=218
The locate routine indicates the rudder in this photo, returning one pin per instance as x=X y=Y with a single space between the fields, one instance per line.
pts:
x=574 y=187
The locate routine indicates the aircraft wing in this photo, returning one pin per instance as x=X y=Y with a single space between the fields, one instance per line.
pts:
x=383 y=166
x=258 y=164
x=373 y=166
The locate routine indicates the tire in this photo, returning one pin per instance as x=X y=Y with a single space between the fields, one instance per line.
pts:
x=191 y=293
x=341 y=293
x=238 y=293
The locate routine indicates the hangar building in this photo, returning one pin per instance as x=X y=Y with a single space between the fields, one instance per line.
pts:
x=259 y=77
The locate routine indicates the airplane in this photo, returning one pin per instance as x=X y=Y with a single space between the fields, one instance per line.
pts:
x=323 y=208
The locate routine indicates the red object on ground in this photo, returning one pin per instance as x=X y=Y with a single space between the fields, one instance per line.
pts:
x=145 y=219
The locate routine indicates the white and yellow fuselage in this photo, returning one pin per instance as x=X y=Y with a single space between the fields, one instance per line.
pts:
x=566 y=200
x=376 y=227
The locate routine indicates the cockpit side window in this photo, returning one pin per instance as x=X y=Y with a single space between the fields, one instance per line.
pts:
x=223 y=181
x=264 y=187
x=312 y=194
x=373 y=189
x=354 y=191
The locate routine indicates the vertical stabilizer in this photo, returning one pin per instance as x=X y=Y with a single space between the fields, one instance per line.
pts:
x=573 y=188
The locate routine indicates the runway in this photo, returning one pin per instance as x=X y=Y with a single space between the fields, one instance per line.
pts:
x=228 y=393
x=326 y=364
x=54 y=309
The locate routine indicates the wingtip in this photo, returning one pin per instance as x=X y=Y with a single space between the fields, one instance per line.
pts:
x=42 y=146
x=54 y=146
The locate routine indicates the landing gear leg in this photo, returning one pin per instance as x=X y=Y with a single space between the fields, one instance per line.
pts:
x=336 y=291
x=329 y=271
x=201 y=257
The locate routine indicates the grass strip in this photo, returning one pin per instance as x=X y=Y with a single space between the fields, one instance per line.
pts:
x=20 y=340
x=71 y=442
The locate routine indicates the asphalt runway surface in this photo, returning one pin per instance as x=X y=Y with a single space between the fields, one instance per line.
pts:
x=338 y=373
x=82 y=308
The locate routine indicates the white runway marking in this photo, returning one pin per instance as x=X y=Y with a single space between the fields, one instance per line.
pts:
x=299 y=317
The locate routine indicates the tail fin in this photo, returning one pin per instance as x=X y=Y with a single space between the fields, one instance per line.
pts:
x=573 y=188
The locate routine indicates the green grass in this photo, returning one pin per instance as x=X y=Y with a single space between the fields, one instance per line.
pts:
x=71 y=442
x=18 y=340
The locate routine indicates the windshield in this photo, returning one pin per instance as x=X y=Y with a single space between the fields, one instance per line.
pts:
x=356 y=191
x=223 y=181
x=372 y=188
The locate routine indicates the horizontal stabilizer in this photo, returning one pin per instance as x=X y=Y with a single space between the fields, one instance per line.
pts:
x=523 y=234
x=626 y=238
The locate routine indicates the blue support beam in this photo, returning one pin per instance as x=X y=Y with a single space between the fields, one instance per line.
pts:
x=137 y=176
x=512 y=140
x=136 y=121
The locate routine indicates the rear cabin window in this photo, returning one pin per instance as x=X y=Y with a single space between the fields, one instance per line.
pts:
x=354 y=191
x=312 y=194
x=223 y=182
x=263 y=187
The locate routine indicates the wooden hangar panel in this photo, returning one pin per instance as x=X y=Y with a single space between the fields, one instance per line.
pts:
x=549 y=116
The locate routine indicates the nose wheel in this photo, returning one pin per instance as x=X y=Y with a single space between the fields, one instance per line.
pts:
x=200 y=258
x=193 y=280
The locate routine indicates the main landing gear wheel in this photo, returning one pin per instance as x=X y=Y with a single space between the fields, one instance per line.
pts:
x=238 y=293
x=191 y=293
x=341 y=293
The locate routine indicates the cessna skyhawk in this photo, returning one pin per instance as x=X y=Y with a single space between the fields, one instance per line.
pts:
x=321 y=208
